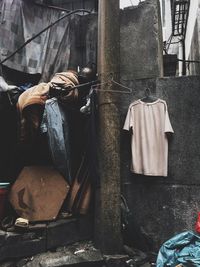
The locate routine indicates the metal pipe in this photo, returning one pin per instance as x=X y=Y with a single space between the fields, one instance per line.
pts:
x=184 y=63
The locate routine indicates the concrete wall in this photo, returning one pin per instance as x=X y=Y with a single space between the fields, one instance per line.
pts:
x=165 y=206
x=194 y=49
x=166 y=18
x=141 y=41
x=192 y=19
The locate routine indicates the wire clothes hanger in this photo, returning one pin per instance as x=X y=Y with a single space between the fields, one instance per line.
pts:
x=148 y=97
x=95 y=87
x=109 y=82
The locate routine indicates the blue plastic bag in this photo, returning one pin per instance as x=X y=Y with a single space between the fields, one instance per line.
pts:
x=182 y=249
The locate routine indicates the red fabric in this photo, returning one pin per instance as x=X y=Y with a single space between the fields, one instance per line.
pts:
x=3 y=196
x=197 y=226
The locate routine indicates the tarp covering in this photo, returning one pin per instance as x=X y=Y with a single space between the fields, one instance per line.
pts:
x=48 y=53
x=182 y=249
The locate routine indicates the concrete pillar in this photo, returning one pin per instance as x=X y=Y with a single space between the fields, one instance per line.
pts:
x=108 y=222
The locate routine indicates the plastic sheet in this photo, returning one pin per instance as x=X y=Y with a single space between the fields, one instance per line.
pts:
x=197 y=226
x=183 y=248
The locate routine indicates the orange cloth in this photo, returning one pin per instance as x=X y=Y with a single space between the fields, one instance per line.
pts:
x=38 y=94
x=35 y=95
x=65 y=79
x=31 y=102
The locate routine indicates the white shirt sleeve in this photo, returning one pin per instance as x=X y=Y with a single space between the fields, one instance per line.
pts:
x=129 y=119
x=168 y=126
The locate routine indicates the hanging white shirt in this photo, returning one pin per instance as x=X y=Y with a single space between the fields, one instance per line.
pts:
x=150 y=123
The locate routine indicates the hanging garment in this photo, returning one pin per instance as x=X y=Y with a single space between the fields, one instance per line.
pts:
x=87 y=176
x=150 y=123
x=31 y=106
x=90 y=109
x=62 y=83
x=46 y=54
x=65 y=79
x=55 y=124
x=37 y=96
x=93 y=140
x=181 y=250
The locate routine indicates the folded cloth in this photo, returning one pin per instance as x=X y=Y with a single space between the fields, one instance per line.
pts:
x=65 y=79
x=38 y=94
x=36 y=97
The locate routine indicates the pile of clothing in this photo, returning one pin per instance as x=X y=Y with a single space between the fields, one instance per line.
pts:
x=46 y=183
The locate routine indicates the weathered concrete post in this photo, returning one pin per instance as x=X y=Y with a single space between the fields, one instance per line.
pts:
x=108 y=222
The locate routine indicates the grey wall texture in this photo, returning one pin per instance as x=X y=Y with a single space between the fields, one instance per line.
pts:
x=194 y=68
x=166 y=206
x=141 y=41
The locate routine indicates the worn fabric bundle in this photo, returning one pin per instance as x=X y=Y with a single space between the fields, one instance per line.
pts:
x=38 y=94
x=65 y=79
x=35 y=95
x=31 y=103
x=55 y=123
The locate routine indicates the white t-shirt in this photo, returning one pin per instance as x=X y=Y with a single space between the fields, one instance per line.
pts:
x=150 y=123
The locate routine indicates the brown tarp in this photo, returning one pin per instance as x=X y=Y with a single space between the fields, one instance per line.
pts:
x=38 y=193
